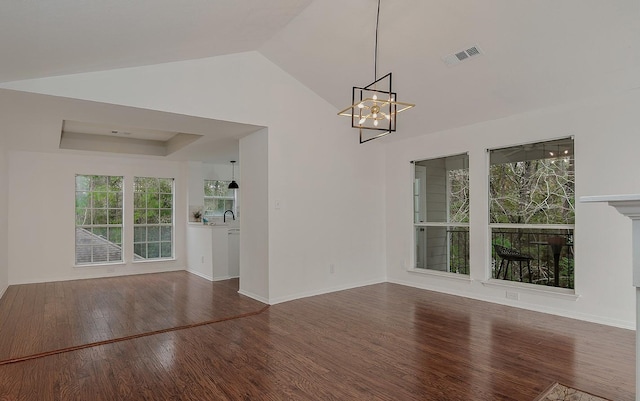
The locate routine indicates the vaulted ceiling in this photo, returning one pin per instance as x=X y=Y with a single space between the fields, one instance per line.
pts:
x=534 y=54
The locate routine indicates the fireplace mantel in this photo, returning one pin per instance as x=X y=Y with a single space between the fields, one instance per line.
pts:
x=628 y=205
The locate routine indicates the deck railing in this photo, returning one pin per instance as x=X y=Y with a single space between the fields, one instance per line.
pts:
x=551 y=252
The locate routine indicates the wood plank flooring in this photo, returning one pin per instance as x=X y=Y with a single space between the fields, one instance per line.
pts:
x=380 y=342
x=38 y=318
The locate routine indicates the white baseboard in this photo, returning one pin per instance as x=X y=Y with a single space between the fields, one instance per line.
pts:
x=91 y=275
x=204 y=276
x=623 y=324
x=322 y=291
x=254 y=296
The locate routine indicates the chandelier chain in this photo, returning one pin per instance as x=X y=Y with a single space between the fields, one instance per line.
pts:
x=375 y=56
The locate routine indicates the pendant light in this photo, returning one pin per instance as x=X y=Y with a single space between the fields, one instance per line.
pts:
x=233 y=184
x=374 y=108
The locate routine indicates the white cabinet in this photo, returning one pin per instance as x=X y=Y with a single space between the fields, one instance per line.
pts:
x=208 y=251
x=234 y=252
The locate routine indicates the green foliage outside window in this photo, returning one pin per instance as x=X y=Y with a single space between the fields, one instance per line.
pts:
x=98 y=217
x=153 y=217
x=218 y=197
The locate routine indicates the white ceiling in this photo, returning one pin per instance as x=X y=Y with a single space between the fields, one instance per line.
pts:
x=89 y=128
x=535 y=53
x=180 y=137
x=41 y=38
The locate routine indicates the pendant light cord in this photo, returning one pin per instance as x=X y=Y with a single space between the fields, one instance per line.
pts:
x=375 y=56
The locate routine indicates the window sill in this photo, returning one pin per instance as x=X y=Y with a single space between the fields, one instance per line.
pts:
x=100 y=265
x=561 y=293
x=445 y=275
x=154 y=260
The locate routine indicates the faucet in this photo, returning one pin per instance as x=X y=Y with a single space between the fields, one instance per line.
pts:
x=224 y=216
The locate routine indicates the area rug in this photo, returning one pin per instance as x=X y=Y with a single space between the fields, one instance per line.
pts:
x=560 y=392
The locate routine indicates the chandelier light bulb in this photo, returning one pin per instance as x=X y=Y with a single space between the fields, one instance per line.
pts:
x=375 y=122
x=360 y=105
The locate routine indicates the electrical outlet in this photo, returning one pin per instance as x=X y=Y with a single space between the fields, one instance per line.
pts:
x=512 y=295
x=332 y=268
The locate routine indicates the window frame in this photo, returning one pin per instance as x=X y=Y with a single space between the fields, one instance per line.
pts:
x=108 y=226
x=233 y=199
x=136 y=257
x=423 y=225
x=491 y=226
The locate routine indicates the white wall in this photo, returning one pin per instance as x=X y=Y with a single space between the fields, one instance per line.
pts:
x=221 y=172
x=329 y=187
x=254 y=225
x=325 y=203
x=41 y=194
x=4 y=210
x=195 y=193
x=606 y=145
x=200 y=251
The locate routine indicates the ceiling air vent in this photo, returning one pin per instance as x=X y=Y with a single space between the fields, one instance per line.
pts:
x=456 y=58
x=461 y=56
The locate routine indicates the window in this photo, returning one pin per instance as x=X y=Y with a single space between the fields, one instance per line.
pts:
x=441 y=214
x=531 y=213
x=98 y=219
x=218 y=198
x=153 y=218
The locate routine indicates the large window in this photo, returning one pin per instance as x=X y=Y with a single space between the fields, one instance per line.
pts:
x=218 y=198
x=153 y=218
x=441 y=214
x=531 y=213
x=98 y=219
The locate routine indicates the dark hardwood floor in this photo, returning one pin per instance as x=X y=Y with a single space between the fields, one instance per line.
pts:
x=39 y=318
x=380 y=342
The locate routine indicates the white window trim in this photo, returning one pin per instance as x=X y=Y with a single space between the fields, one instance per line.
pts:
x=172 y=224
x=233 y=198
x=413 y=268
x=534 y=226
x=437 y=273
x=557 y=292
x=122 y=259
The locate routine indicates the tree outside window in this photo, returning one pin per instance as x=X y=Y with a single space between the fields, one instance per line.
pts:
x=98 y=205
x=218 y=198
x=153 y=218
x=532 y=212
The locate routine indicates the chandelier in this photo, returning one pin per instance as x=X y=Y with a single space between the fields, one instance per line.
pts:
x=374 y=107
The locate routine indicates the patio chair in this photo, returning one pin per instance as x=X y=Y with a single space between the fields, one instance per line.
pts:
x=511 y=255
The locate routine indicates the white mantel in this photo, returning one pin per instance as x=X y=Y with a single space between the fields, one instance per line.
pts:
x=628 y=205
